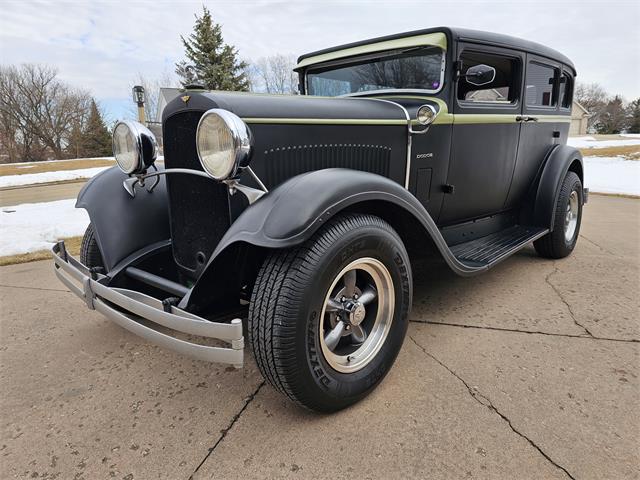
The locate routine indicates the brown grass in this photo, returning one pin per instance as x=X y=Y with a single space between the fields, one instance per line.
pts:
x=72 y=244
x=630 y=152
x=619 y=195
x=41 y=167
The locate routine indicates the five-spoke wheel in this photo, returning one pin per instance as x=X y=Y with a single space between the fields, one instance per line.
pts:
x=357 y=315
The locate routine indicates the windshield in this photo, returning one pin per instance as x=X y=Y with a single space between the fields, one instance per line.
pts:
x=420 y=68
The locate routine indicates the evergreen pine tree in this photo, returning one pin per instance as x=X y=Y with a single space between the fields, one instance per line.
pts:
x=215 y=64
x=96 y=138
x=633 y=112
x=613 y=118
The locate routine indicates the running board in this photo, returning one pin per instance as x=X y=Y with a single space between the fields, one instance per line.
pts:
x=489 y=250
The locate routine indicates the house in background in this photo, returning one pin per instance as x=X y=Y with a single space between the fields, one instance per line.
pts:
x=154 y=119
x=165 y=96
x=579 y=120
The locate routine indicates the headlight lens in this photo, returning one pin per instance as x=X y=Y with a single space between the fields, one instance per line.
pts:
x=134 y=147
x=224 y=143
x=426 y=114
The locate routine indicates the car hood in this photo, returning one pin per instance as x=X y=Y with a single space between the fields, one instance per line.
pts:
x=263 y=108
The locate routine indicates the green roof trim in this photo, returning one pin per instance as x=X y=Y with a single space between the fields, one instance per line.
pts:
x=438 y=39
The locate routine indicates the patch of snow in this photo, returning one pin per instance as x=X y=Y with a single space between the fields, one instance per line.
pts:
x=612 y=175
x=632 y=135
x=590 y=142
x=44 y=177
x=37 y=226
x=59 y=161
x=160 y=159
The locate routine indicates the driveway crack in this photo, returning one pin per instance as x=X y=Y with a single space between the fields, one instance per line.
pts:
x=40 y=289
x=563 y=300
x=223 y=433
x=599 y=246
x=528 y=332
x=485 y=401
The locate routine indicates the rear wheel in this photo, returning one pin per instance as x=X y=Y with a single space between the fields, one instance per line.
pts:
x=566 y=227
x=327 y=319
x=89 y=251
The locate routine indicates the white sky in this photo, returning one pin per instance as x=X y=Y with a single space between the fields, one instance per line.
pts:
x=102 y=45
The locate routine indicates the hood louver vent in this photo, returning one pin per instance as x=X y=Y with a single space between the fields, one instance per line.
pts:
x=286 y=162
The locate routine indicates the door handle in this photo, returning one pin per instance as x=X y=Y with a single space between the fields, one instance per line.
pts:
x=526 y=118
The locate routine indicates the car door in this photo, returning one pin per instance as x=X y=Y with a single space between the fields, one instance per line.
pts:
x=485 y=134
x=545 y=121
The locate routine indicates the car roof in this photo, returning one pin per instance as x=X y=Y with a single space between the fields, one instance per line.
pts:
x=461 y=34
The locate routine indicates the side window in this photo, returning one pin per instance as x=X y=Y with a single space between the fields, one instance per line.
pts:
x=539 y=89
x=501 y=89
x=566 y=90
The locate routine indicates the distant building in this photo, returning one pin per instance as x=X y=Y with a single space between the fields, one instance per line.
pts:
x=154 y=121
x=166 y=95
x=579 y=118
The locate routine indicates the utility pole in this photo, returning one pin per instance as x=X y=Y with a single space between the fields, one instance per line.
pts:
x=138 y=98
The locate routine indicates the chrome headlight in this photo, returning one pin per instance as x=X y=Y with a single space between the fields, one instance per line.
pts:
x=134 y=146
x=224 y=143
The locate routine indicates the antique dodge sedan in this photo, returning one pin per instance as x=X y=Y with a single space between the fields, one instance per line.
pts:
x=296 y=219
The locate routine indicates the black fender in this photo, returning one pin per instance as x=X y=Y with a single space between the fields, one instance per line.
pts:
x=560 y=160
x=124 y=224
x=291 y=213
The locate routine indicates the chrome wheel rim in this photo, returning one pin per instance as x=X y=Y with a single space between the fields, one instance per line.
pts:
x=571 y=217
x=356 y=315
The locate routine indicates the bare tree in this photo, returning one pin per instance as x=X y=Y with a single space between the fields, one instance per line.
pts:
x=38 y=112
x=275 y=74
x=594 y=98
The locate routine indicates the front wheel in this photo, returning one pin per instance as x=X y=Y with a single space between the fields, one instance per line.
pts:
x=327 y=319
x=90 y=255
x=560 y=242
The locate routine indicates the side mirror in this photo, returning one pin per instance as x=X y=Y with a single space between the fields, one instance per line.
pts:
x=480 y=75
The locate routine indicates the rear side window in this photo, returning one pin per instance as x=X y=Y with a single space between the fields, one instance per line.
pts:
x=504 y=87
x=566 y=90
x=539 y=90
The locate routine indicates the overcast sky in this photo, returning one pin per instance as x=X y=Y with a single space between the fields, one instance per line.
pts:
x=103 y=45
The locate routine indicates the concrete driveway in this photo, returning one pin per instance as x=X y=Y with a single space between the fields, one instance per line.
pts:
x=530 y=371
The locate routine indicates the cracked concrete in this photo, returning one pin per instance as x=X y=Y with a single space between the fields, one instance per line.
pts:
x=223 y=433
x=483 y=400
x=501 y=380
x=574 y=398
x=562 y=299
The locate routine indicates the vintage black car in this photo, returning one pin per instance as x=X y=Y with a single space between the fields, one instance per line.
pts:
x=296 y=219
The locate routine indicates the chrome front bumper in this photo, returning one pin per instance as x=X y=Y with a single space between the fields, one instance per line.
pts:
x=138 y=312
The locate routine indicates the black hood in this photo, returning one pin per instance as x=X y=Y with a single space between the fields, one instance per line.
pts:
x=259 y=108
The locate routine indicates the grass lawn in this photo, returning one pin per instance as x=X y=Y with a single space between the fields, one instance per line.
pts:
x=41 y=167
x=72 y=244
x=629 y=152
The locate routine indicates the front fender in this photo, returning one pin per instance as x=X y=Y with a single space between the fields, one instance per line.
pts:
x=558 y=163
x=124 y=224
x=290 y=214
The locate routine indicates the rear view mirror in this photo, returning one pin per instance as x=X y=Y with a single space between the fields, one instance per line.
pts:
x=480 y=75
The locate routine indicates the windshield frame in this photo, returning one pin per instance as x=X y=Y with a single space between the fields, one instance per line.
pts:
x=341 y=63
